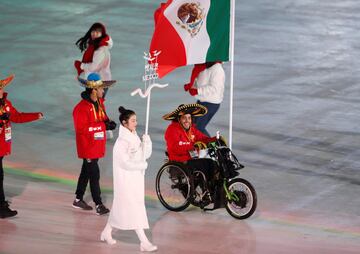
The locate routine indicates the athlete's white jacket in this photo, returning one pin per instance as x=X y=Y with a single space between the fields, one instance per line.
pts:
x=210 y=84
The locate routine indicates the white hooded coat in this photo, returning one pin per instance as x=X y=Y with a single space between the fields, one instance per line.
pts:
x=129 y=164
x=101 y=62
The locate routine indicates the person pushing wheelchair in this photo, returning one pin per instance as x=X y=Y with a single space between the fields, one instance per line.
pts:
x=183 y=139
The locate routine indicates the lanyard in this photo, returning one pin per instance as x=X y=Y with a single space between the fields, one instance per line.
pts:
x=101 y=112
x=189 y=135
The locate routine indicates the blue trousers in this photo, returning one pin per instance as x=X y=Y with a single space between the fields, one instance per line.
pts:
x=202 y=121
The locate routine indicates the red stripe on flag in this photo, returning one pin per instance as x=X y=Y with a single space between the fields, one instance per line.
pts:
x=167 y=40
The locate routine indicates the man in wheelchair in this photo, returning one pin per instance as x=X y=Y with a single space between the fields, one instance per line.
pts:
x=183 y=139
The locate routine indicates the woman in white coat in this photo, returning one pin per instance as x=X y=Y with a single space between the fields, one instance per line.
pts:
x=129 y=164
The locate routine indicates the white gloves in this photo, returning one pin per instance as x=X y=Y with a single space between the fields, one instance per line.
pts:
x=147 y=147
x=146 y=138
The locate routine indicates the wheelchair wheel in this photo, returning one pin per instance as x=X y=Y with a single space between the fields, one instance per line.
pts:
x=243 y=200
x=173 y=186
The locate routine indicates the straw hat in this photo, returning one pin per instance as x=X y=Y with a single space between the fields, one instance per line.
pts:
x=5 y=82
x=94 y=81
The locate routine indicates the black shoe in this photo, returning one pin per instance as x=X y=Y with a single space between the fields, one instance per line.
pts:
x=101 y=209
x=5 y=211
x=206 y=200
x=184 y=189
x=81 y=204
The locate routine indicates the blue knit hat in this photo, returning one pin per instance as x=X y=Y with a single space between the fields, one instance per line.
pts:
x=93 y=77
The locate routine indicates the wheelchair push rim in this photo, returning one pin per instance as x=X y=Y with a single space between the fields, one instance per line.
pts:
x=173 y=187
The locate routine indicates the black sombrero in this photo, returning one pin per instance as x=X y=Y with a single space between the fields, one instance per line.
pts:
x=192 y=109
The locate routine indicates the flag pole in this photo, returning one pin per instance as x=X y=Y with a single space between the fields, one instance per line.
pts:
x=232 y=41
x=147 y=113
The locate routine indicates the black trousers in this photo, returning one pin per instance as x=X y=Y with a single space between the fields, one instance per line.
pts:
x=207 y=166
x=89 y=172
x=2 y=194
x=211 y=170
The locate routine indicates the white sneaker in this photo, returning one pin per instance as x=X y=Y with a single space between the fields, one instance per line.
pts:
x=107 y=238
x=148 y=247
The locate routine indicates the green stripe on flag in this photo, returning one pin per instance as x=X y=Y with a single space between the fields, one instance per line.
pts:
x=218 y=28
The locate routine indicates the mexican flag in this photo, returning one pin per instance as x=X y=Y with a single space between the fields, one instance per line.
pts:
x=190 y=32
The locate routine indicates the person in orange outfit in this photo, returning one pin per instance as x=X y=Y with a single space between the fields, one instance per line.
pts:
x=9 y=114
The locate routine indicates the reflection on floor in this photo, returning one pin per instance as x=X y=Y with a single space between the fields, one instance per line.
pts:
x=48 y=224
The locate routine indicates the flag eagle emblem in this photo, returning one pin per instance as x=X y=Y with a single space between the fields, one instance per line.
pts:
x=191 y=17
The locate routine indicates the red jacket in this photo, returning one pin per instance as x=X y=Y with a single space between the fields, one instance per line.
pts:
x=179 y=142
x=90 y=129
x=5 y=125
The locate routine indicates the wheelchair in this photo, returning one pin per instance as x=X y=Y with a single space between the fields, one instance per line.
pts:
x=178 y=186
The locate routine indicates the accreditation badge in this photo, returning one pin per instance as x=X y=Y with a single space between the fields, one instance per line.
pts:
x=8 y=134
x=99 y=135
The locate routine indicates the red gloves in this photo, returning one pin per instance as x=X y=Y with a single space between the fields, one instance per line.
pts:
x=77 y=65
x=193 y=91
x=187 y=87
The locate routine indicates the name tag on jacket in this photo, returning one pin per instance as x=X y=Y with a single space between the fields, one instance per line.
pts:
x=8 y=134
x=99 y=135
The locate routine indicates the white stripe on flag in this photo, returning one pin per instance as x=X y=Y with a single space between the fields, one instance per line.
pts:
x=196 y=47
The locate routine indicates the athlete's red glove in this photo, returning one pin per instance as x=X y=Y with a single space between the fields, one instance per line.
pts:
x=77 y=65
x=187 y=87
x=193 y=91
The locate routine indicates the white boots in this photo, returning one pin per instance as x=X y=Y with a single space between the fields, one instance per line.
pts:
x=106 y=235
x=148 y=247
x=145 y=244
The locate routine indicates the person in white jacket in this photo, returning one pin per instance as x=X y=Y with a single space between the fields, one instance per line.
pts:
x=129 y=164
x=96 y=45
x=208 y=89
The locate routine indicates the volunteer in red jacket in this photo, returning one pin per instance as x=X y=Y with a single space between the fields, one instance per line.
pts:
x=9 y=114
x=91 y=123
